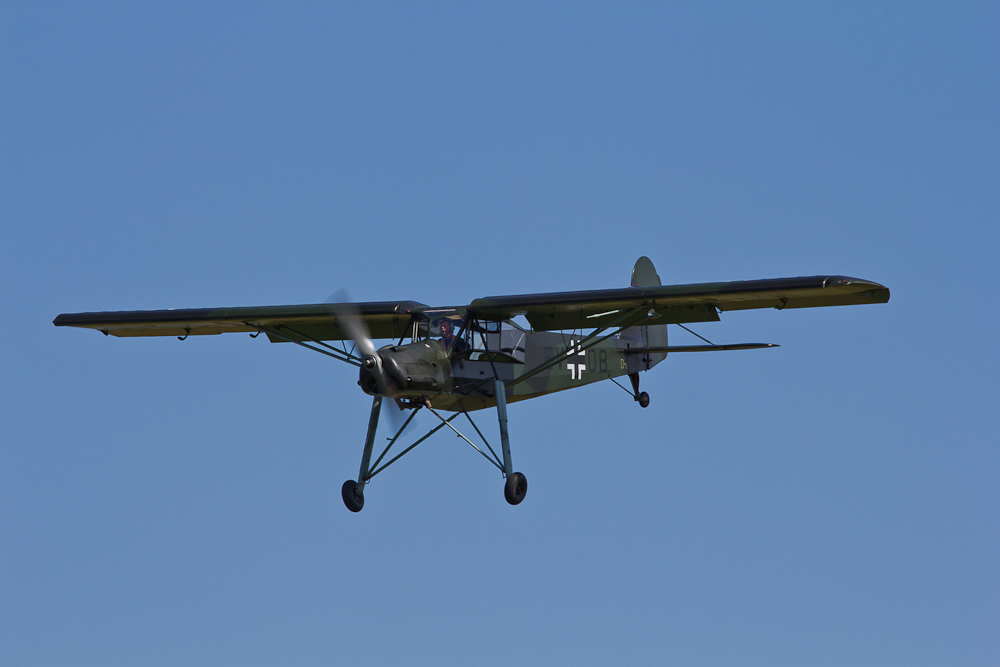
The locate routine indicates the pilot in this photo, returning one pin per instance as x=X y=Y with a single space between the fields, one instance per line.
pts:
x=451 y=343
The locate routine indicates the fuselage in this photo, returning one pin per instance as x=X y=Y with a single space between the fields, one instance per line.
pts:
x=424 y=371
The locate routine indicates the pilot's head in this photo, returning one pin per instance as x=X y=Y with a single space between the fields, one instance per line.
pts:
x=446 y=328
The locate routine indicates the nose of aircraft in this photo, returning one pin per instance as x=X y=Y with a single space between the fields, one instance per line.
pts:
x=380 y=371
x=405 y=368
x=370 y=375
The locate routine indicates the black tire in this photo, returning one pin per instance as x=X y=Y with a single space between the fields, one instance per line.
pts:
x=516 y=488
x=643 y=400
x=355 y=501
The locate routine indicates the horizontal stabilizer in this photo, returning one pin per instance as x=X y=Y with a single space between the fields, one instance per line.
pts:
x=698 y=348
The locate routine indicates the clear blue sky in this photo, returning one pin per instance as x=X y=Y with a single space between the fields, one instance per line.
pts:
x=831 y=502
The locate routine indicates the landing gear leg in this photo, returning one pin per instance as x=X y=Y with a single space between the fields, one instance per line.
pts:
x=516 y=486
x=643 y=397
x=354 y=492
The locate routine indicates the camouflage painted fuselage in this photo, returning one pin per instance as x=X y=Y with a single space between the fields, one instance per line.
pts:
x=467 y=384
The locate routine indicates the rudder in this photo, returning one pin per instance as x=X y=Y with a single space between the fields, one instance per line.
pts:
x=644 y=275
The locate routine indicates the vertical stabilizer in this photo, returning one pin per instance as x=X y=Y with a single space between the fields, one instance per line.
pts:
x=644 y=274
x=653 y=335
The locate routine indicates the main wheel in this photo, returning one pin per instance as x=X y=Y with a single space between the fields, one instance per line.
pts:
x=515 y=488
x=643 y=400
x=353 y=498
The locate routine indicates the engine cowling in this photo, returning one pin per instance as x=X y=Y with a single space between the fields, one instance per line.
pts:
x=415 y=369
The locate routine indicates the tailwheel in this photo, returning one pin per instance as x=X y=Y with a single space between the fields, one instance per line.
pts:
x=643 y=400
x=516 y=488
x=353 y=498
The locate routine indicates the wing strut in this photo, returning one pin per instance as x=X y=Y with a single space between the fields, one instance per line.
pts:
x=339 y=356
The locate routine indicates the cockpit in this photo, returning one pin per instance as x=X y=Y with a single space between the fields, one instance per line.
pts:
x=465 y=337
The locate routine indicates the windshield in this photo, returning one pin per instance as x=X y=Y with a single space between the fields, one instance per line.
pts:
x=445 y=325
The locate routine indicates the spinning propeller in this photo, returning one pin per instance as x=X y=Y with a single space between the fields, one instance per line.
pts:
x=350 y=321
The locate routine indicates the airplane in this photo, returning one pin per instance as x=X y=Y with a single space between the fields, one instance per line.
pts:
x=461 y=359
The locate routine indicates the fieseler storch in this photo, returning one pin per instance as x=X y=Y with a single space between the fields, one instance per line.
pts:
x=460 y=359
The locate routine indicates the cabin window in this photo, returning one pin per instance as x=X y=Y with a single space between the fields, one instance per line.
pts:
x=503 y=340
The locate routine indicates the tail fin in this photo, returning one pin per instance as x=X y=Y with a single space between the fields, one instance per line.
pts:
x=644 y=275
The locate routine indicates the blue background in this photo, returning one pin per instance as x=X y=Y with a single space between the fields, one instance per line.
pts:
x=831 y=502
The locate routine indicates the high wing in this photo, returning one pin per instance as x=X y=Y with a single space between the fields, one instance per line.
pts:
x=545 y=312
x=384 y=319
x=677 y=303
